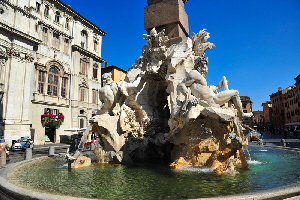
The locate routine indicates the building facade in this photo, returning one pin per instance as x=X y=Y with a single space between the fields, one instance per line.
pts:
x=267 y=113
x=286 y=105
x=50 y=59
x=278 y=119
x=247 y=108
x=258 y=117
x=117 y=74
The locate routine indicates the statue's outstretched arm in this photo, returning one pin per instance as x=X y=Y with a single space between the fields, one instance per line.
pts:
x=223 y=83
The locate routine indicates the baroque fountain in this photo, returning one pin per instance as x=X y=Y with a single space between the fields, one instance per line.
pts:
x=166 y=111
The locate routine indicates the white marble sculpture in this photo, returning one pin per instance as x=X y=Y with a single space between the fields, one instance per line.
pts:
x=201 y=93
x=112 y=95
x=154 y=52
x=166 y=100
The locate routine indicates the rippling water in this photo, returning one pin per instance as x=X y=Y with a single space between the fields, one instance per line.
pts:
x=268 y=168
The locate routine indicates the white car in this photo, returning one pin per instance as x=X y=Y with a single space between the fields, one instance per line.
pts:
x=22 y=144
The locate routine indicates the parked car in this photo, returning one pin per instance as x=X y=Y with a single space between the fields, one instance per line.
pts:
x=22 y=143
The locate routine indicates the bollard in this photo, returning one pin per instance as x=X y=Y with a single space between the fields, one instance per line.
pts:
x=51 y=151
x=282 y=142
x=2 y=158
x=28 y=154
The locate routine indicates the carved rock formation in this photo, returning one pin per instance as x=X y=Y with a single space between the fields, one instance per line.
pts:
x=165 y=110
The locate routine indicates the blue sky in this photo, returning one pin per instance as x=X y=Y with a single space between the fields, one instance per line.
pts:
x=257 y=41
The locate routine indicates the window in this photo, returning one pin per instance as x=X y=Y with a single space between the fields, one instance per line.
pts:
x=46 y=11
x=81 y=123
x=94 y=100
x=64 y=87
x=55 y=41
x=54 y=111
x=81 y=112
x=95 y=72
x=83 y=39
x=96 y=45
x=67 y=23
x=38 y=7
x=53 y=81
x=83 y=66
x=82 y=94
x=45 y=35
x=121 y=74
x=57 y=16
x=41 y=82
x=66 y=45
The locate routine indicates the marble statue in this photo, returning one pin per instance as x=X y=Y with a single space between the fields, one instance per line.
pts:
x=112 y=95
x=201 y=93
x=154 y=52
x=165 y=110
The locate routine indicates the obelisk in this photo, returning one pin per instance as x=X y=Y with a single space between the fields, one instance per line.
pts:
x=169 y=15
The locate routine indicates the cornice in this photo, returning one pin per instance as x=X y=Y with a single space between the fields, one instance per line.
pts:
x=25 y=11
x=87 y=53
x=54 y=29
x=14 y=31
x=77 y=16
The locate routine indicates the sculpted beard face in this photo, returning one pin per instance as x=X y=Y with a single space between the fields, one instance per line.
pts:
x=203 y=69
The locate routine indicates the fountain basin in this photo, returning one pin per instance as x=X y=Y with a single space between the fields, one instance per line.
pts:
x=254 y=186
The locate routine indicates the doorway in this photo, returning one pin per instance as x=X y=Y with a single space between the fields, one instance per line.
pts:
x=50 y=134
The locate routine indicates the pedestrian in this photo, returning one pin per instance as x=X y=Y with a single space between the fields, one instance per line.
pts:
x=2 y=140
x=6 y=149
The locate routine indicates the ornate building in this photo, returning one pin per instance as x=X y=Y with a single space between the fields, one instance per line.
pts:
x=50 y=70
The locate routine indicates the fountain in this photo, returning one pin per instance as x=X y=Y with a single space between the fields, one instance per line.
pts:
x=166 y=111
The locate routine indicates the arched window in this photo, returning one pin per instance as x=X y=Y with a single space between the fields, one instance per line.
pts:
x=53 y=78
x=46 y=11
x=57 y=16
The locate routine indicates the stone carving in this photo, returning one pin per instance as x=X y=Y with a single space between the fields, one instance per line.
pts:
x=113 y=95
x=200 y=44
x=201 y=93
x=154 y=52
x=29 y=57
x=166 y=111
